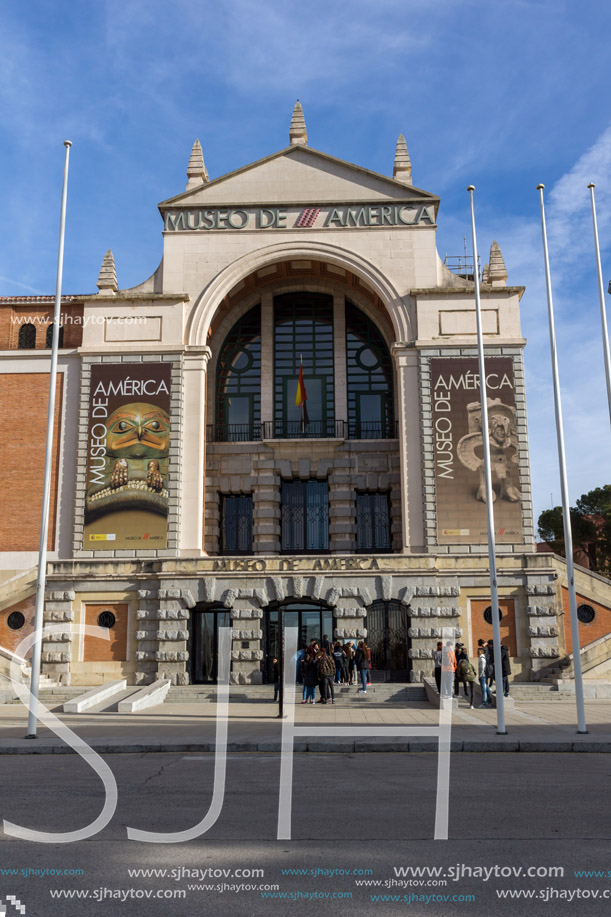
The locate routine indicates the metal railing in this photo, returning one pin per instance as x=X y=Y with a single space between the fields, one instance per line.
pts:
x=292 y=429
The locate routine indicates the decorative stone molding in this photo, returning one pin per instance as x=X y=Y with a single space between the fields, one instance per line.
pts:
x=543 y=631
x=544 y=652
x=541 y=611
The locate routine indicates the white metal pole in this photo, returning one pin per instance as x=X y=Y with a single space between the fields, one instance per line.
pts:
x=566 y=515
x=46 y=490
x=601 y=297
x=494 y=593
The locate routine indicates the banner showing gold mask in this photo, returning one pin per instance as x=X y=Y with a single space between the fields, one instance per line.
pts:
x=128 y=446
x=459 y=455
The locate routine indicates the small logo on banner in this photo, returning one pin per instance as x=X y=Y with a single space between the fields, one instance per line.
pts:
x=308 y=217
x=13 y=906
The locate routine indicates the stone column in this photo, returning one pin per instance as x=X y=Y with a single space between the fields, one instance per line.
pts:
x=246 y=628
x=57 y=648
x=193 y=451
x=350 y=620
x=408 y=401
x=542 y=627
x=266 y=507
x=146 y=636
x=429 y=615
x=164 y=635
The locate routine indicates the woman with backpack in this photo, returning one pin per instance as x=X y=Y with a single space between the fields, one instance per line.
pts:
x=325 y=666
x=466 y=673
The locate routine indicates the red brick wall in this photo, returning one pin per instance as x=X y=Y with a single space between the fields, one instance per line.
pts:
x=97 y=649
x=600 y=626
x=10 y=639
x=23 y=425
x=41 y=316
x=480 y=629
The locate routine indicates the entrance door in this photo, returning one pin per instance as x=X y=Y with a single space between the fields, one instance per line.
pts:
x=203 y=645
x=388 y=640
x=310 y=621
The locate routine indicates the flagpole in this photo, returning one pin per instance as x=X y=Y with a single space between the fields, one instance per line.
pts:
x=494 y=593
x=601 y=297
x=46 y=489
x=566 y=513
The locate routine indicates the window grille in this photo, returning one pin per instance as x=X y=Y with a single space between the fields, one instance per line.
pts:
x=238 y=381
x=49 y=338
x=305 y=516
x=27 y=337
x=236 y=524
x=373 y=522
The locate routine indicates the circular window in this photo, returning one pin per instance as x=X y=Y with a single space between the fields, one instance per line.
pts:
x=106 y=619
x=586 y=614
x=240 y=361
x=15 y=620
x=367 y=358
x=488 y=615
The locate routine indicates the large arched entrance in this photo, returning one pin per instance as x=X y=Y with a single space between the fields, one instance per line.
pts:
x=389 y=641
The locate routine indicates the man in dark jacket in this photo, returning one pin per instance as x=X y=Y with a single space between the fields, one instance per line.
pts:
x=505 y=669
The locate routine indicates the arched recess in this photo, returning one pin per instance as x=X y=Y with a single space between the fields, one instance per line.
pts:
x=399 y=312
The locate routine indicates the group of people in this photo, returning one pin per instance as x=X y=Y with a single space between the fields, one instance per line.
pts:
x=454 y=663
x=325 y=665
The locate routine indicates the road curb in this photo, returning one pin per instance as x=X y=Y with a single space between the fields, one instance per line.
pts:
x=318 y=746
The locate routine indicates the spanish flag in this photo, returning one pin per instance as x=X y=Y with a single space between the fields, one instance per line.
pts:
x=301 y=398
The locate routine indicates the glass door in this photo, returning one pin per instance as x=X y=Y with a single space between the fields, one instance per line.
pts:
x=311 y=621
x=203 y=645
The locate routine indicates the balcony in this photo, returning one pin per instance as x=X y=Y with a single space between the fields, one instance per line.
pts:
x=316 y=429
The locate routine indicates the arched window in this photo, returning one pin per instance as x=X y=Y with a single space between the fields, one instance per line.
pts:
x=27 y=337
x=370 y=378
x=303 y=335
x=238 y=381
x=49 y=339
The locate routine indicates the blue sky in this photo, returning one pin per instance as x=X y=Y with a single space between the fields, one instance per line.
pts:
x=501 y=95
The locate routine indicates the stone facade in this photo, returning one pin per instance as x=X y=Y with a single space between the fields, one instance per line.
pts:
x=301 y=222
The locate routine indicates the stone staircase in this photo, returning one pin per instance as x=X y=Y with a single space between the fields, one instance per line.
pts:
x=388 y=693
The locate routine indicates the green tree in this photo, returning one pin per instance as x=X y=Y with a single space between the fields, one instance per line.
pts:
x=591 y=526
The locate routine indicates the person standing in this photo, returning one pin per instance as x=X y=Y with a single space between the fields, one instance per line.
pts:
x=363 y=660
x=310 y=679
x=437 y=660
x=338 y=658
x=505 y=670
x=325 y=667
x=448 y=669
x=483 y=678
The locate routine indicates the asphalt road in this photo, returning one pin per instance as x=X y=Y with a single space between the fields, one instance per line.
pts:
x=350 y=812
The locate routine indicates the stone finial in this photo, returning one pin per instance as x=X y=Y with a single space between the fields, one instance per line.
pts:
x=107 y=278
x=486 y=274
x=197 y=174
x=297 y=130
x=497 y=272
x=402 y=169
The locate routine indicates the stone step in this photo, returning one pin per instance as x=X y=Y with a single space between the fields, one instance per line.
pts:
x=380 y=693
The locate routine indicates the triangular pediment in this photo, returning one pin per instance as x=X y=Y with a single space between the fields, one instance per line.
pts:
x=299 y=175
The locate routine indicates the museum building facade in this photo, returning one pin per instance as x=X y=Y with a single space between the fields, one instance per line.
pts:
x=284 y=418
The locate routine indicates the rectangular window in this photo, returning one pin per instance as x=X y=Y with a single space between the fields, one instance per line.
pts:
x=305 y=516
x=373 y=522
x=236 y=524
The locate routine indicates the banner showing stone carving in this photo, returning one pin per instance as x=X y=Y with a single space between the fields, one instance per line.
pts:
x=459 y=456
x=128 y=446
